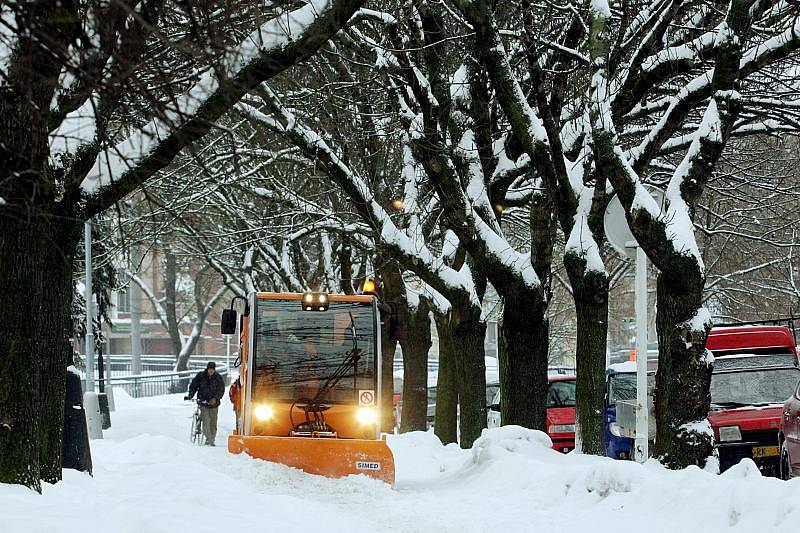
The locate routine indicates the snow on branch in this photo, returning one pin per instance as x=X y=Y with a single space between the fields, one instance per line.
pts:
x=277 y=44
x=8 y=32
x=272 y=35
x=410 y=247
x=773 y=48
x=581 y=241
x=679 y=226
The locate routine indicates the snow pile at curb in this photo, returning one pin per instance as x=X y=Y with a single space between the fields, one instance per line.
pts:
x=512 y=476
x=500 y=442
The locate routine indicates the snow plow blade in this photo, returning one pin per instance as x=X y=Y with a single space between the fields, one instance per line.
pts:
x=324 y=457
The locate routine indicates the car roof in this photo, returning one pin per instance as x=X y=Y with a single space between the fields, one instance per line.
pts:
x=742 y=338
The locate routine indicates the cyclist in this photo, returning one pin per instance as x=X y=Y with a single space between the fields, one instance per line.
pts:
x=210 y=388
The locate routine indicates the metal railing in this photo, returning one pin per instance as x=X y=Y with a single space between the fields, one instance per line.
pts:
x=121 y=364
x=159 y=383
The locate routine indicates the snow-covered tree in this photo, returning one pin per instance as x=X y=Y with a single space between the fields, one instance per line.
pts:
x=95 y=98
x=618 y=94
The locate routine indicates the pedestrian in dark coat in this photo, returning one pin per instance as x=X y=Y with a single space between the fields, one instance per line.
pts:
x=210 y=388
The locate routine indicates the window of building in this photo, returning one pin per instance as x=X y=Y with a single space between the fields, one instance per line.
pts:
x=123 y=303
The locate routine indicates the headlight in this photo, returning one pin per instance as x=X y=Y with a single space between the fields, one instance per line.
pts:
x=614 y=429
x=729 y=433
x=366 y=415
x=562 y=428
x=263 y=412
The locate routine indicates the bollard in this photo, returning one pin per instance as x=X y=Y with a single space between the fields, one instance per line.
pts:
x=75 y=453
x=94 y=420
x=110 y=394
x=105 y=411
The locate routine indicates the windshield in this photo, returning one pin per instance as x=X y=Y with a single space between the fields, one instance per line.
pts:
x=753 y=387
x=297 y=351
x=623 y=387
x=561 y=394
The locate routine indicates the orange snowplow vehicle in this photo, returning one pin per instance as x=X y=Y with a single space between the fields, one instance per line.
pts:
x=310 y=374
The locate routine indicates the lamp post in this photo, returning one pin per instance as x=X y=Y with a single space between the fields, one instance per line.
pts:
x=87 y=245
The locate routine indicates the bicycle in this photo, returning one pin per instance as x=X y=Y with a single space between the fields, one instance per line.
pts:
x=196 y=431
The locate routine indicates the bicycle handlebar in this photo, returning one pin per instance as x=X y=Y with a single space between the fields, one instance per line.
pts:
x=200 y=402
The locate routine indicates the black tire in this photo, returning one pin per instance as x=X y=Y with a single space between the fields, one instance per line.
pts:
x=784 y=467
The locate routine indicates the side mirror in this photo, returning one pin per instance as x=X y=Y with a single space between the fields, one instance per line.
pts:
x=395 y=325
x=228 y=323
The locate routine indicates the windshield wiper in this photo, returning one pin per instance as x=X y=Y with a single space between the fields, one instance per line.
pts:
x=353 y=356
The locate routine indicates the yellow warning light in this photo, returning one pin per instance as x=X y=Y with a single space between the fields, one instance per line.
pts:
x=369 y=287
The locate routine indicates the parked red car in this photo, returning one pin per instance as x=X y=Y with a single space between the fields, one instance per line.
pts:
x=755 y=369
x=560 y=412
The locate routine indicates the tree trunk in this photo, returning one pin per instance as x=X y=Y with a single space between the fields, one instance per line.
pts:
x=590 y=293
x=446 y=416
x=388 y=350
x=469 y=332
x=392 y=290
x=524 y=334
x=36 y=261
x=182 y=361
x=171 y=304
x=415 y=347
x=684 y=375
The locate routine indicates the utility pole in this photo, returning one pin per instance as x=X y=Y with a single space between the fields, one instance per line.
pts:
x=91 y=400
x=87 y=239
x=135 y=295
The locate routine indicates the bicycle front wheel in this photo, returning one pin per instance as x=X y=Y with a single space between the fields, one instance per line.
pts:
x=197 y=429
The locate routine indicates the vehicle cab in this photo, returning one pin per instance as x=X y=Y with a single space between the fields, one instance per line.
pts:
x=560 y=412
x=755 y=371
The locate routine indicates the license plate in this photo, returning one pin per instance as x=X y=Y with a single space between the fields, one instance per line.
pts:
x=765 y=451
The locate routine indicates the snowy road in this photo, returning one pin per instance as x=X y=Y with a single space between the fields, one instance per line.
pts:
x=149 y=479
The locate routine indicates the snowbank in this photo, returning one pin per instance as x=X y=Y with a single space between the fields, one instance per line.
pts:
x=148 y=478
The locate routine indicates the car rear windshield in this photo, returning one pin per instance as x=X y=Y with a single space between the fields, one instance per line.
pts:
x=297 y=351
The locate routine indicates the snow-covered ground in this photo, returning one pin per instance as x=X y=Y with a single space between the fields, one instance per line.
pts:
x=148 y=478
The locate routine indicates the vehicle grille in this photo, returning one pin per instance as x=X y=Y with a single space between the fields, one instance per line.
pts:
x=767 y=437
x=732 y=453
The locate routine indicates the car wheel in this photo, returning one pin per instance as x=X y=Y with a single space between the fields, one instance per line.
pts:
x=785 y=468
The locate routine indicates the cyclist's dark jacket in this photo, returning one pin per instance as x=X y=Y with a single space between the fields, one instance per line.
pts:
x=207 y=387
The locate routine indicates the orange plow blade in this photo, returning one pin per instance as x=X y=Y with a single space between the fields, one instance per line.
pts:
x=324 y=457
